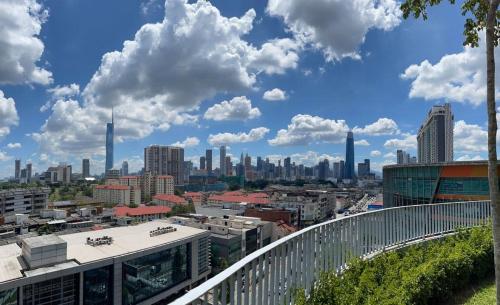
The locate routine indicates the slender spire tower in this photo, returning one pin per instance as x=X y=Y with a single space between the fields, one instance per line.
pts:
x=110 y=130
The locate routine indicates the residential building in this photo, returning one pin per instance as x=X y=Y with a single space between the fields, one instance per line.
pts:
x=113 y=173
x=222 y=160
x=421 y=183
x=124 y=169
x=165 y=160
x=142 y=213
x=17 y=171
x=208 y=157
x=85 y=168
x=323 y=169
x=228 y=166
x=168 y=200
x=336 y=170
x=288 y=216
x=248 y=167
x=435 y=136
x=58 y=174
x=164 y=185
x=22 y=201
x=117 y=194
x=364 y=168
x=196 y=198
x=203 y=163
x=110 y=130
x=341 y=169
x=349 y=157
x=104 y=266
x=29 y=169
x=287 y=166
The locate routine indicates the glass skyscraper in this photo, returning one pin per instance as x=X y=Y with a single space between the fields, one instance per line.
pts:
x=349 y=157
x=110 y=129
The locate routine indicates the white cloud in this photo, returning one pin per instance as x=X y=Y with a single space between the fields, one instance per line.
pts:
x=253 y=135
x=238 y=108
x=188 y=142
x=308 y=158
x=337 y=27
x=14 y=145
x=469 y=138
x=60 y=92
x=407 y=143
x=4 y=156
x=469 y=158
x=390 y=155
x=21 y=48
x=8 y=114
x=375 y=153
x=361 y=142
x=382 y=126
x=275 y=94
x=458 y=77
x=305 y=129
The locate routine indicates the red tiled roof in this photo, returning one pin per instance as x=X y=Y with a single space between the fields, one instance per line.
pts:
x=141 y=210
x=165 y=176
x=170 y=198
x=232 y=198
x=233 y=193
x=192 y=194
x=112 y=187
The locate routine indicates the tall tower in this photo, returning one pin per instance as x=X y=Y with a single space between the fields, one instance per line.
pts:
x=435 y=136
x=17 y=173
x=222 y=160
x=208 y=157
x=110 y=130
x=349 y=156
x=85 y=168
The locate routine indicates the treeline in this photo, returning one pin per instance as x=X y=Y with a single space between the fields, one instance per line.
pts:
x=428 y=273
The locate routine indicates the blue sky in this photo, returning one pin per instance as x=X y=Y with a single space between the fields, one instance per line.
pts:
x=196 y=74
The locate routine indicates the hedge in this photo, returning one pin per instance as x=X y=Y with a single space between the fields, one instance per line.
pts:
x=427 y=273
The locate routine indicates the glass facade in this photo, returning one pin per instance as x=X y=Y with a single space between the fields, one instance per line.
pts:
x=59 y=291
x=98 y=286
x=8 y=297
x=149 y=275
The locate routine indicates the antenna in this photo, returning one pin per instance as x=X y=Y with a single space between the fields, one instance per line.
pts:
x=112 y=115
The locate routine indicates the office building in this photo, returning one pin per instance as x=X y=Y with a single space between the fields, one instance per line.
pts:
x=248 y=167
x=104 y=266
x=58 y=174
x=349 y=157
x=222 y=160
x=228 y=166
x=208 y=157
x=435 y=136
x=124 y=169
x=29 y=169
x=85 y=168
x=421 y=183
x=287 y=166
x=17 y=171
x=165 y=160
x=110 y=130
x=323 y=169
x=22 y=201
x=364 y=168
x=203 y=165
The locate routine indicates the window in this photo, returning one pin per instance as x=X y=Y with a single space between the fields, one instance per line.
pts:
x=98 y=286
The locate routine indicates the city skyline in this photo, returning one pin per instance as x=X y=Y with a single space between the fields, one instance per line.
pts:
x=299 y=106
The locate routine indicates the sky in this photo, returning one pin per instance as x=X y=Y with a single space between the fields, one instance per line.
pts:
x=269 y=78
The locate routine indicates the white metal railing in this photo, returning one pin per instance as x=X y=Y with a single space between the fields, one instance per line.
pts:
x=271 y=274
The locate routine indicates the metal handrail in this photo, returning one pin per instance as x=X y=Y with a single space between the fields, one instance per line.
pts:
x=270 y=274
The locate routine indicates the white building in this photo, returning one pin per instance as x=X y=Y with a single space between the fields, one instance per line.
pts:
x=165 y=185
x=22 y=201
x=435 y=136
x=117 y=194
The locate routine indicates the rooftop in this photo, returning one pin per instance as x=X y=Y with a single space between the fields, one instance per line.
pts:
x=170 y=198
x=141 y=210
x=452 y=163
x=79 y=251
x=112 y=187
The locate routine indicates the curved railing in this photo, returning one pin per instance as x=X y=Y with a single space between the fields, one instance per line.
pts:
x=270 y=275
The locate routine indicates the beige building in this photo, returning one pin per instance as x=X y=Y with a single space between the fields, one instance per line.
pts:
x=117 y=194
x=165 y=160
x=164 y=185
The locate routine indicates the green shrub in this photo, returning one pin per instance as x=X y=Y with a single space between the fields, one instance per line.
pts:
x=427 y=273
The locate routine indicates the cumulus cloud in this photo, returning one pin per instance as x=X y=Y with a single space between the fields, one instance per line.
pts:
x=4 y=156
x=253 y=135
x=375 y=153
x=361 y=142
x=275 y=94
x=469 y=138
x=408 y=142
x=21 y=48
x=238 y=108
x=308 y=158
x=469 y=158
x=306 y=129
x=458 y=77
x=381 y=127
x=336 y=27
x=188 y=142
x=8 y=114
x=60 y=93
x=14 y=145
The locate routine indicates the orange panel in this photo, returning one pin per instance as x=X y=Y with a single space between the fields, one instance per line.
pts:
x=462 y=197
x=464 y=171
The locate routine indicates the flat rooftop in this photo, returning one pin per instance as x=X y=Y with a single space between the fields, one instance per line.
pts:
x=451 y=163
x=126 y=240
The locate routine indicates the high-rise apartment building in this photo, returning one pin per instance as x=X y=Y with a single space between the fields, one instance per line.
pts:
x=17 y=173
x=341 y=169
x=349 y=157
x=287 y=167
x=222 y=160
x=208 y=157
x=323 y=169
x=85 y=168
x=124 y=170
x=336 y=170
x=248 y=167
x=202 y=163
x=364 y=168
x=228 y=166
x=435 y=136
x=165 y=160
x=29 y=169
x=110 y=130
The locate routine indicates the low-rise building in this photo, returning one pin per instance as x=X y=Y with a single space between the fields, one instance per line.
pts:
x=196 y=198
x=168 y=200
x=105 y=267
x=116 y=194
x=288 y=216
x=142 y=213
x=234 y=200
x=22 y=201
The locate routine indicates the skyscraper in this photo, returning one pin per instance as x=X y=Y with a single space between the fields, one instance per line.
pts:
x=165 y=160
x=349 y=157
x=287 y=167
x=336 y=170
x=110 y=130
x=124 y=170
x=341 y=169
x=85 y=168
x=222 y=160
x=208 y=156
x=435 y=136
x=228 y=166
x=202 y=162
x=323 y=168
x=17 y=173
x=29 y=168
x=364 y=168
